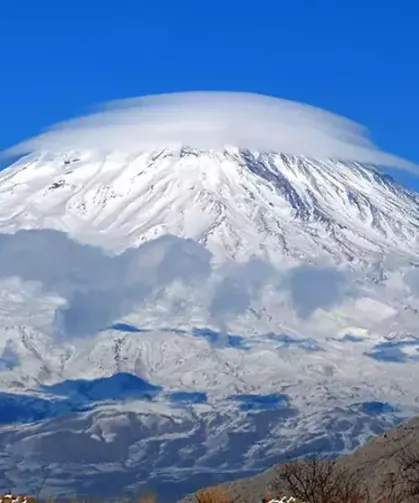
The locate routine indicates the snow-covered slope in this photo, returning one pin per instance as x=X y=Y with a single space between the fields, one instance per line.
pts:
x=237 y=203
x=174 y=370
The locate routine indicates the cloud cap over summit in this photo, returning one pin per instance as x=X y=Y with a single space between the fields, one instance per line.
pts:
x=214 y=120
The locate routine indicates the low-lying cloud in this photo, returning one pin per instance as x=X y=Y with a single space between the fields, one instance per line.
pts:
x=240 y=286
x=100 y=289
x=214 y=120
x=313 y=288
x=411 y=279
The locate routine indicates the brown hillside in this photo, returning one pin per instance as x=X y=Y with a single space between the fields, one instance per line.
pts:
x=379 y=462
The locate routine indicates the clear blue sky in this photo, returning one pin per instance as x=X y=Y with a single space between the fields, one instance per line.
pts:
x=357 y=58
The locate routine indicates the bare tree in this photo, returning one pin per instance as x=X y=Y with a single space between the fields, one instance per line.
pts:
x=409 y=466
x=317 y=480
x=393 y=488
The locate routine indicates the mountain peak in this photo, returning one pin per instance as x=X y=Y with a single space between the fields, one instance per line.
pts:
x=239 y=203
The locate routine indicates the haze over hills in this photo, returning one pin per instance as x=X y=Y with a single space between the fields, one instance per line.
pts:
x=195 y=286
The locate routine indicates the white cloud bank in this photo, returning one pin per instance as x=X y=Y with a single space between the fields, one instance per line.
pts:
x=214 y=120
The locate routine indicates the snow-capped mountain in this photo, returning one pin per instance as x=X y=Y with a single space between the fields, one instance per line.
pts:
x=171 y=316
x=237 y=203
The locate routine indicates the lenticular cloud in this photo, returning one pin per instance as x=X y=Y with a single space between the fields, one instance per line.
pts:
x=214 y=120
